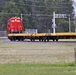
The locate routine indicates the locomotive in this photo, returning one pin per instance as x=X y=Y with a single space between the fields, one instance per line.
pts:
x=15 y=25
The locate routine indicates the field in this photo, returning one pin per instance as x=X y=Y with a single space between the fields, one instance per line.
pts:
x=35 y=58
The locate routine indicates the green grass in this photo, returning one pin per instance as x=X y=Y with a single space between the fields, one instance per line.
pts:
x=38 y=69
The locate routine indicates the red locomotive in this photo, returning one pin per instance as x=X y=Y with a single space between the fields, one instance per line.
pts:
x=15 y=25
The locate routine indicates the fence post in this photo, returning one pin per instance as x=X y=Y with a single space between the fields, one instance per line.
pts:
x=75 y=53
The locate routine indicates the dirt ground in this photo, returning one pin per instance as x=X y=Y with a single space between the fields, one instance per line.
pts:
x=36 y=52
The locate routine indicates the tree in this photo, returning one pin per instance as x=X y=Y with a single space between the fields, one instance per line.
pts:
x=39 y=13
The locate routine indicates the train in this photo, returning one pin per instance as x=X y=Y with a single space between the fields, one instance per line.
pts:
x=15 y=31
x=14 y=26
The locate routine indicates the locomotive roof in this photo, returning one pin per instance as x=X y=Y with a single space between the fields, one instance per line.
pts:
x=14 y=18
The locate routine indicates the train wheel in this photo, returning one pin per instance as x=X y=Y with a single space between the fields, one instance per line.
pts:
x=18 y=38
x=32 y=39
x=56 y=39
x=47 y=40
x=44 y=39
x=22 y=39
x=12 y=38
x=53 y=40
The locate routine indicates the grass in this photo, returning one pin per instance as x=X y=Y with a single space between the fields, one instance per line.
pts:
x=38 y=69
x=23 y=52
x=34 y=58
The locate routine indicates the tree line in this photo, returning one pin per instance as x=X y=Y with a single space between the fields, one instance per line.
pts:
x=37 y=14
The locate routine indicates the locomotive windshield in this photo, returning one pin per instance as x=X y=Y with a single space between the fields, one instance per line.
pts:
x=15 y=20
x=12 y=21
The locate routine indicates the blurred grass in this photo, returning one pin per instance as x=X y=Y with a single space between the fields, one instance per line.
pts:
x=35 y=52
x=34 y=58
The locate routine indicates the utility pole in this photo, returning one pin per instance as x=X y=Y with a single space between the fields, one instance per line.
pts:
x=21 y=16
x=69 y=24
x=54 y=25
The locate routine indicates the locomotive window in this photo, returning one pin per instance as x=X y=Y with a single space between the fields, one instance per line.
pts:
x=18 y=20
x=12 y=20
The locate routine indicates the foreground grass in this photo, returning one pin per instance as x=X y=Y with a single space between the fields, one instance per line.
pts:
x=38 y=69
x=43 y=58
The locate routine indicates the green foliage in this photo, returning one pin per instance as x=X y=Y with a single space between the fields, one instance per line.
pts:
x=62 y=25
x=10 y=8
x=36 y=69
